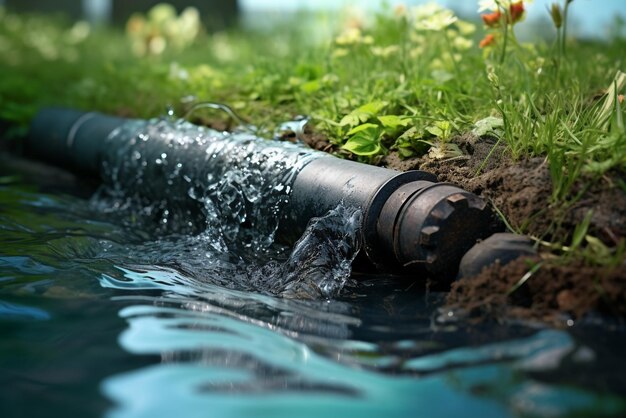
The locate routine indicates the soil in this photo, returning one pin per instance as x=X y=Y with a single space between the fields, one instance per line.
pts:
x=554 y=294
x=522 y=191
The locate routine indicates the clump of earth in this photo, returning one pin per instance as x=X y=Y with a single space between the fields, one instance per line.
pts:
x=522 y=192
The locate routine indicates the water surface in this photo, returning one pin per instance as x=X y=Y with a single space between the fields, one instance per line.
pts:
x=102 y=314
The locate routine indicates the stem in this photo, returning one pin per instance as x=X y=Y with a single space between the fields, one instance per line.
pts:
x=451 y=52
x=403 y=50
x=505 y=38
x=564 y=35
x=559 y=56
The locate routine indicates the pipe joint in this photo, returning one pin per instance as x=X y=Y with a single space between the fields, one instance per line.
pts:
x=426 y=227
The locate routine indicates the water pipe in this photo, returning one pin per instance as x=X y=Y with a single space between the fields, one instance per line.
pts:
x=411 y=224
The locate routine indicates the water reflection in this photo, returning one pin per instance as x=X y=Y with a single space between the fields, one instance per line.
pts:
x=237 y=353
x=16 y=311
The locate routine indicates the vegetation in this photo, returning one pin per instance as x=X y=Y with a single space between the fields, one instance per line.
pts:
x=404 y=80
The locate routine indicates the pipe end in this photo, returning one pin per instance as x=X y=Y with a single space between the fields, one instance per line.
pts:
x=428 y=227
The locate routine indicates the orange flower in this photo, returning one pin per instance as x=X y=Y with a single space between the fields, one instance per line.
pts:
x=492 y=19
x=517 y=11
x=620 y=98
x=489 y=39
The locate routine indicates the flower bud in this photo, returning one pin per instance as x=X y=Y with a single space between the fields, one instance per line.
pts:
x=557 y=15
x=487 y=41
x=516 y=11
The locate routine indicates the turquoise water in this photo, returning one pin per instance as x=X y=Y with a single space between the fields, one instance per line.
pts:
x=93 y=324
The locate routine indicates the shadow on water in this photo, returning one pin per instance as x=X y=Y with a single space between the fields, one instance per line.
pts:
x=105 y=311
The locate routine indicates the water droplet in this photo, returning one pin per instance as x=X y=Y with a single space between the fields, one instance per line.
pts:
x=232 y=178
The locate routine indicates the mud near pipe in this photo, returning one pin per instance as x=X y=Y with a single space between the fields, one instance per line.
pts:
x=213 y=202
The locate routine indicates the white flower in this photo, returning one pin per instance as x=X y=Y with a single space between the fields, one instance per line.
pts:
x=484 y=5
x=386 y=51
x=426 y=11
x=349 y=36
x=466 y=28
x=431 y=16
x=462 y=43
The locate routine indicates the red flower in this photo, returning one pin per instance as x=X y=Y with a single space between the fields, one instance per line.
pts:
x=487 y=40
x=517 y=11
x=492 y=19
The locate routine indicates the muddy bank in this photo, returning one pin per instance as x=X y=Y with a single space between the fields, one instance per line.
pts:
x=522 y=192
x=554 y=293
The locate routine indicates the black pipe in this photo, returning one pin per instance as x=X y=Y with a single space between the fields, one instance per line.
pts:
x=411 y=223
x=70 y=138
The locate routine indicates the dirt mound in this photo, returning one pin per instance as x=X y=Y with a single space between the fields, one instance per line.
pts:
x=522 y=192
x=546 y=295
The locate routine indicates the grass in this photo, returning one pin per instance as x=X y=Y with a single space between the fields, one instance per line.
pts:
x=408 y=80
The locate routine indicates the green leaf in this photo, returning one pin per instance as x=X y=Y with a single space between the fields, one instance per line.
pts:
x=351 y=119
x=311 y=86
x=372 y=108
x=365 y=142
x=411 y=134
x=363 y=113
x=490 y=124
x=394 y=122
x=581 y=230
x=411 y=143
x=599 y=167
x=435 y=130
x=441 y=129
x=362 y=146
x=362 y=127
x=597 y=248
x=406 y=152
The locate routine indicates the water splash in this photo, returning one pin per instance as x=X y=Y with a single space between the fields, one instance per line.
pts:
x=211 y=203
x=320 y=263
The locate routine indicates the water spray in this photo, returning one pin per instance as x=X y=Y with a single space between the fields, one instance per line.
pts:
x=411 y=224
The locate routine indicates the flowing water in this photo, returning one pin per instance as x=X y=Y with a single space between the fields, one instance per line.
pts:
x=172 y=298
